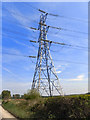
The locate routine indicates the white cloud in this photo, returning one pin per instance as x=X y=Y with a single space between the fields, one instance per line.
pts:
x=24 y=19
x=58 y=67
x=11 y=73
x=23 y=44
x=11 y=50
x=58 y=72
x=19 y=16
x=78 y=78
x=28 y=68
x=7 y=70
x=12 y=56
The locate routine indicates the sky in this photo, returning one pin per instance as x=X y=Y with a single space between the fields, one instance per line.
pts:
x=71 y=62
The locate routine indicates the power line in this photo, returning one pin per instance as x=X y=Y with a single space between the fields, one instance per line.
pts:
x=70 y=35
x=28 y=5
x=9 y=36
x=21 y=25
x=58 y=51
x=33 y=41
x=63 y=43
x=66 y=17
x=51 y=32
x=61 y=28
x=21 y=56
x=36 y=41
x=71 y=62
x=24 y=39
x=18 y=55
x=18 y=24
x=15 y=32
x=61 y=16
x=35 y=45
x=70 y=18
x=36 y=57
x=13 y=12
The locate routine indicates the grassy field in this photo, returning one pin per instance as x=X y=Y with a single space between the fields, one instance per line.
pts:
x=74 y=106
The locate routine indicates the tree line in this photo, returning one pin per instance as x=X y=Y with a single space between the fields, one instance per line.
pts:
x=31 y=94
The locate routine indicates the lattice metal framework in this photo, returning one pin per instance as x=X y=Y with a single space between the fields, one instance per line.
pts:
x=45 y=79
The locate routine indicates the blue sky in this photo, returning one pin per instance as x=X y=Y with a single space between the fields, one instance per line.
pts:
x=17 y=71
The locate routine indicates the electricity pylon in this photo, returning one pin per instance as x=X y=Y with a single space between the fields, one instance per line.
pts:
x=45 y=78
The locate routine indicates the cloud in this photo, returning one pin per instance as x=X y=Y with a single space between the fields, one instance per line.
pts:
x=7 y=70
x=78 y=78
x=23 y=18
x=11 y=50
x=58 y=72
x=60 y=67
x=11 y=73
x=19 y=16
x=20 y=43
x=23 y=44
x=28 y=68
x=8 y=58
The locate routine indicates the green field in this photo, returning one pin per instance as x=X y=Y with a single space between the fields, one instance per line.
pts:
x=49 y=108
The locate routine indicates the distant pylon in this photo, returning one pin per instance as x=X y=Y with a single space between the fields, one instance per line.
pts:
x=45 y=79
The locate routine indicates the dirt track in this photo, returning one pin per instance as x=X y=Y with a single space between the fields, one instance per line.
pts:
x=5 y=114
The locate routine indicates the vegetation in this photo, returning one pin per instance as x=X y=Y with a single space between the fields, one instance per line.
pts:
x=32 y=94
x=0 y=96
x=16 y=96
x=62 y=108
x=6 y=94
x=17 y=108
x=74 y=106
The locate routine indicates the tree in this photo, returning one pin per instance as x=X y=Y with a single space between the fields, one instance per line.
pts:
x=6 y=94
x=0 y=96
x=22 y=96
x=32 y=94
x=16 y=96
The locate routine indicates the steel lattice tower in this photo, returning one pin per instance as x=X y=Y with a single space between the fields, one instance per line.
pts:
x=45 y=78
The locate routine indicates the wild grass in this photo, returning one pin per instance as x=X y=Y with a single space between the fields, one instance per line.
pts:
x=18 y=110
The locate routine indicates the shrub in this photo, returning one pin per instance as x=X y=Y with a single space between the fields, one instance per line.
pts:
x=62 y=108
x=32 y=94
x=6 y=94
